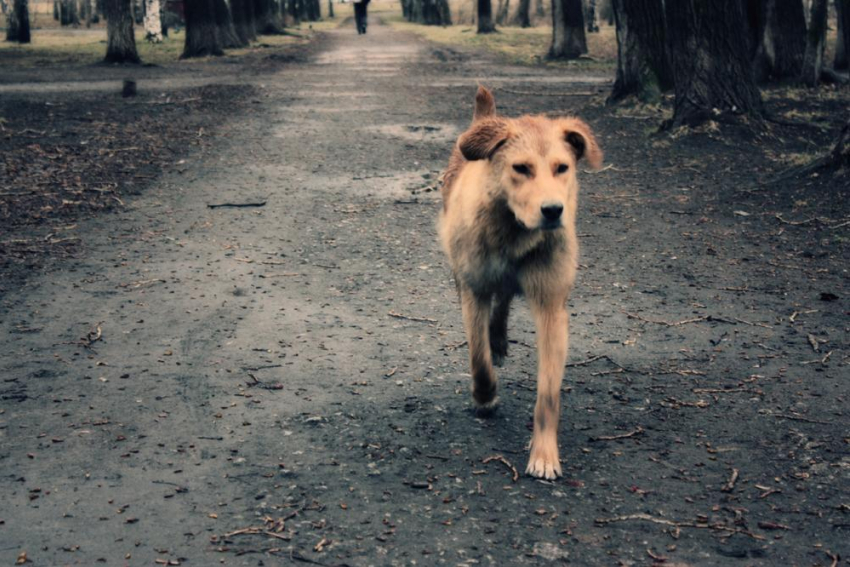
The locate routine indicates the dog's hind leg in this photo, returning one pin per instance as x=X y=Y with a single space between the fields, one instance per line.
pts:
x=476 y=320
x=552 y=322
x=499 y=328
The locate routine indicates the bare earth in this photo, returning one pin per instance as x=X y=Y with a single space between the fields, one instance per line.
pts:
x=288 y=384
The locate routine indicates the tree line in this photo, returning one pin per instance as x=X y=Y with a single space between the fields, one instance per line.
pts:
x=211 y=25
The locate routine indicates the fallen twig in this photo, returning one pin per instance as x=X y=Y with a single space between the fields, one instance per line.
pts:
x=730 y=485
x=237 y=205
x=637 y=431
x=538 y=93
x=666 y=522
x=412 y=318
x=666 y=323
x=800 y=418
x=504 y=461
x=594 y=359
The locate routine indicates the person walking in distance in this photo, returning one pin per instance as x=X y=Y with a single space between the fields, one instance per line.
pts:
x=360 y=15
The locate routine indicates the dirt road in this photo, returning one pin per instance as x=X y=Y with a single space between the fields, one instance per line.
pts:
x=293 y=374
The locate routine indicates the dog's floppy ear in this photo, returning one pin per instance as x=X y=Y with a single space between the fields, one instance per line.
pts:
x=483 y=139
x=485 y=104
x=580 y=138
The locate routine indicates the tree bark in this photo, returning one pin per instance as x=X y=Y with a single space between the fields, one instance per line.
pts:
x=121 y=41
x=539 y=9
x=841 y=151
x=568 y=39
x=331 y=9
x=243 y=20
x=779 y=39
x=523 y=14
x=268 y=20
x=502 y=13
x=226 y=30
x=485 y=17
x=815 y=39
x=842 y=44
x=591 y=17
x=643 y=69
x=18 y=24
x=709 y=57
x=202 y=36
x=153 y=21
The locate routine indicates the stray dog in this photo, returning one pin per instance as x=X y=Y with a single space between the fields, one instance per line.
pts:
x=508 y=227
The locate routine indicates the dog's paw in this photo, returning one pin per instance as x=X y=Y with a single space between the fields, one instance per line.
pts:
x=486 y=409
x=543 y=462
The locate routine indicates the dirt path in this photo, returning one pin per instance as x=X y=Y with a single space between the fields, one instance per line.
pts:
x=296 y=368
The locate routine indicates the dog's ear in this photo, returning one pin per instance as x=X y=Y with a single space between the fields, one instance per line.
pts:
x=483 y=139
x=580 y=138
x=485 y=104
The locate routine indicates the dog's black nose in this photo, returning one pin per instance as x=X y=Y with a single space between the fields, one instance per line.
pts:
x=552 y=211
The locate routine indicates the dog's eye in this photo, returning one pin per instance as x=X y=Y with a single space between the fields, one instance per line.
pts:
x=522 y=169
x=562 y=168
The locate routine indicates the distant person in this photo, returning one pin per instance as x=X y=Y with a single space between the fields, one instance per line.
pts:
x=360 y=15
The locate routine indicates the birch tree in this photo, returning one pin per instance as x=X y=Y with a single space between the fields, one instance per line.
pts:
x=153 y=21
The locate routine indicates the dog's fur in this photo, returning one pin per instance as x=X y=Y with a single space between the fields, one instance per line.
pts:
x=504 y=177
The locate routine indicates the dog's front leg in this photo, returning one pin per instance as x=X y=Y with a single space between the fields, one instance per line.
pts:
x=476 y=320
x=552 y=331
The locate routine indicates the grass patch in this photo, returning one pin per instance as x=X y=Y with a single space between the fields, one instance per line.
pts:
x=517 y=45
x=79 y=47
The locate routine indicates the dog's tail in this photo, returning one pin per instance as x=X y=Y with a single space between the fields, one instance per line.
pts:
x=485 y=104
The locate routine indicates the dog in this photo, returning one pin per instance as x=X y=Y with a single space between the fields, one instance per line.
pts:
x=507 y=226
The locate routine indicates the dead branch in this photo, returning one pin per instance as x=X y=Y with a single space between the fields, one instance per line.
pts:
x=237 y=205
x=730 y=485
x=412 y=318
x=538 y=93
x=666 y=323
x=801 y=418
x=638 y=431
x=507 y=463
x=666 y=522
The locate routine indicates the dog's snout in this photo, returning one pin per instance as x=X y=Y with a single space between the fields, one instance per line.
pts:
x=552 y=211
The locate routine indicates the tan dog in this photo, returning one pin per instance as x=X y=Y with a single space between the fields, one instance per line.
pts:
x=508 y=228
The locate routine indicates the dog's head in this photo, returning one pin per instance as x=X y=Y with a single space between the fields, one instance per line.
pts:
x=532 y=160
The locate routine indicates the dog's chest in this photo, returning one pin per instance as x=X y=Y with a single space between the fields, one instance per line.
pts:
x=501 y=269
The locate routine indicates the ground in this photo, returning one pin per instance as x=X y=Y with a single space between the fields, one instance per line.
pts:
x=287 y=382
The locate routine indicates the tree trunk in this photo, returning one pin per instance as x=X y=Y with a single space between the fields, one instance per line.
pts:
x=780 y=39
x=68 y=13
x=842 y=43
x=485 y=17
x=153 y=21
x=591 y=17
x=268 y=20
x=331 y=9
x=243 y=22
x=121 y=41
x=815 y=39
x=224 y=22
x=18 y=25
x=643 y=69
x=502 y=13
x=539 y=9
x=709 y=57
x=841 y=151
x=202 y=37
x=523 y=16
x=568 y=39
